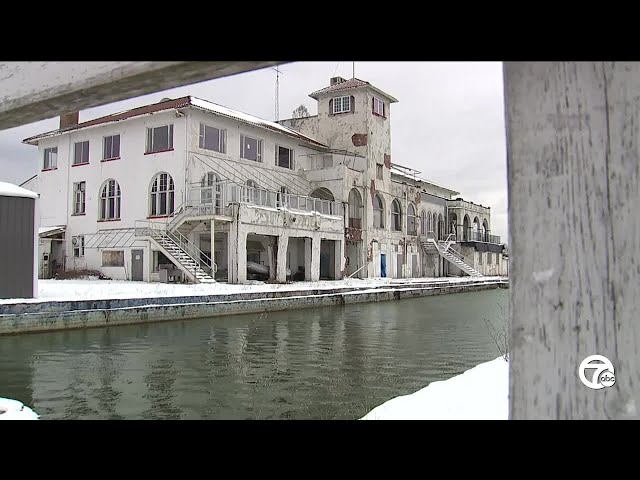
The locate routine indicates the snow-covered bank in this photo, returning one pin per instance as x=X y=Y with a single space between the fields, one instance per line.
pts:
x=480 y=393
x=67 y=290
x=15 y=410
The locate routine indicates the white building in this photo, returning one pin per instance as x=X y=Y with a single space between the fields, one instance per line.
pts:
x=144 y=194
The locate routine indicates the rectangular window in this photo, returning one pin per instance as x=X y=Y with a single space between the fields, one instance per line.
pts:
x=341 y=104
x=480 y=254
x=284 y=157
x=250 y=148
x=489 y=258
x=78 y=246
x=50 y=158
x=212 y=138
x=379 y=171
x=111 y=147
x=159 y=139
x=378 y=106
x=79 y=197
x=113 y=258
x=81 y=153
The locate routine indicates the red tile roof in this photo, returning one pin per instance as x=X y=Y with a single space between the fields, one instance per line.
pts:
x=182 y=102
x=347 y=85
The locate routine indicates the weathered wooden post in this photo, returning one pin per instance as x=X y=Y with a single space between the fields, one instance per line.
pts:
x=32 y=91
x=573 y=143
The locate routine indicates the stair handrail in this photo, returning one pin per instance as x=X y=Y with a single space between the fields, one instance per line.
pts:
x=156 y=230
x=190 y=248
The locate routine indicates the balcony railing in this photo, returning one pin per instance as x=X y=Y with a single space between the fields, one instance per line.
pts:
x=474 y=236
x=217 y=197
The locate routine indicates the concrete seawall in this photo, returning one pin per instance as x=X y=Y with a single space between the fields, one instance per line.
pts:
x=48 y=316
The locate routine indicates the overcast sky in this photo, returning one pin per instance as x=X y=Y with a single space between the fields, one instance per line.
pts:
x=448 y=122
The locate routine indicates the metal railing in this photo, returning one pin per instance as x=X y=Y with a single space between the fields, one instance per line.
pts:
x=158 y=231
x=476 y=236
x=216 y=199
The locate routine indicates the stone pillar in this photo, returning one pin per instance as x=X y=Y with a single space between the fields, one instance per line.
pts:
x=315 y=258
x=271 y=256
x=281 y=268
x=339 y=260
x=307 y=258
x=241 y=257
x=213 y=247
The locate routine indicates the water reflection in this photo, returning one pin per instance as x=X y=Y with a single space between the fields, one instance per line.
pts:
x=323 y=364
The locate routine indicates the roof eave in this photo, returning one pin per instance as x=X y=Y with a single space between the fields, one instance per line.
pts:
x=316 y=95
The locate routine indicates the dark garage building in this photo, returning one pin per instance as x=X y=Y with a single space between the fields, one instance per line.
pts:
x=18 y=242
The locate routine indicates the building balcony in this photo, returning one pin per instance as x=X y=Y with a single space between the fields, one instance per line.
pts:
x=475 y=236
x=215 y=200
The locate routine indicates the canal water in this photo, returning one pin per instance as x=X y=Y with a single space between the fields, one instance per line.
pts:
x=329 y=363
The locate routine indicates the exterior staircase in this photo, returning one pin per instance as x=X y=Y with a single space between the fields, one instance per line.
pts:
x=194 y=263
x=443 y=248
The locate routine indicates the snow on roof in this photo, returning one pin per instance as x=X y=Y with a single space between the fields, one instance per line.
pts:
x=348 y=84
x=11 y=190
x=183 y=102
x=396 y=170
x=245 y=117
x=45 y=230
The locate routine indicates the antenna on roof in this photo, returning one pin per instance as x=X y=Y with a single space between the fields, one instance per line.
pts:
x=278 y=72
x=354 y=70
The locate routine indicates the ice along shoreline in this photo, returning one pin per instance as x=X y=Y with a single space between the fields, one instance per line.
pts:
x=43 y=315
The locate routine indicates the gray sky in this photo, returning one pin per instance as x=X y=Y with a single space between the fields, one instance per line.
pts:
x=448 y=122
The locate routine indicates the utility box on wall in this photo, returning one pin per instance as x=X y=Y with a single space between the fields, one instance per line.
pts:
x=18 y=242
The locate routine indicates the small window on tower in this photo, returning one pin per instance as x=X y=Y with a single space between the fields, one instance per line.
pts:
x=378 y=107
x=379 y=171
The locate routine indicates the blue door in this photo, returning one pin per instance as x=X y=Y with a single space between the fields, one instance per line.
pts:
x=383 y=265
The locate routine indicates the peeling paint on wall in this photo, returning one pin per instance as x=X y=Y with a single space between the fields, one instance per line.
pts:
x=387 y=161
x=359 y=139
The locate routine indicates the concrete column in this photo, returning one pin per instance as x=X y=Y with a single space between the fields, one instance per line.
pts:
x=241 y=257
x=281 y=270
x=307 y=258
x=213 y=246
x=339 y=260
x=271 y=257
x=232 y=253
x=315 y=258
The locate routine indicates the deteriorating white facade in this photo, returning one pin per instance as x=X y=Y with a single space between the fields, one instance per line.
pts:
x=186 y=189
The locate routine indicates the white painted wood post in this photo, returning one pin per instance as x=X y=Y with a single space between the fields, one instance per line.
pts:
x=32 y=91
x=574 y=169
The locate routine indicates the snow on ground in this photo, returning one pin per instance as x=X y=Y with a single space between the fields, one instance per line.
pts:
x=15 y=410
x=65 y=290
x=480 y=393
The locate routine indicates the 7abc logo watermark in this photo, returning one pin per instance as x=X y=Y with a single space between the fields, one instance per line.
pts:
x=603 y=373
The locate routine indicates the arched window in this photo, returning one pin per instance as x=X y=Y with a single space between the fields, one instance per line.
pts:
x=378 y=212
x=429 y=223
x=162 y=195
x=411 y=220
x=355 y=209
x=211 y=187
x=423 y=222
x=396 y=216
x=440 y=226
x=209 y=180
x=110 y=200
x=466 y=228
